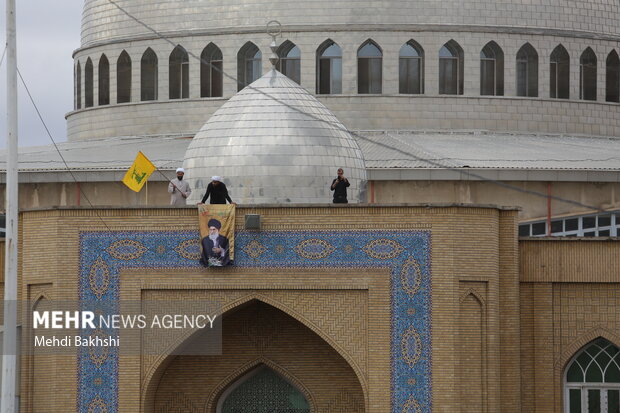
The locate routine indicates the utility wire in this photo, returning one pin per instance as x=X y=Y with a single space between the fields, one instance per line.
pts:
x=336 y=125
x=59 y=153
x=3 y=54
x=345 y=129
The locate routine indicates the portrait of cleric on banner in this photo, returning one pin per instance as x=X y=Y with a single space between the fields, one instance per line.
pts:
x=217 y=223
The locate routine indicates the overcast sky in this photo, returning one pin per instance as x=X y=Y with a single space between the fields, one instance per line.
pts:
x=48 y=31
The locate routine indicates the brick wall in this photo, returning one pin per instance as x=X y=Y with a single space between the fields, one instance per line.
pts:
x=473 y=249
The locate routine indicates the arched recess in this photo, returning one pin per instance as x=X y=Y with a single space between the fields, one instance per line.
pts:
x=178 y=73
x=527 y=71
x=123 y=78
x=559 y=73
x=329 y=68
x=451 y=68
x=225 y=384
x=104 y=81
x=249 y=65
x=369 y=67
x=211 y=71
x=612 y=77
x=472 y=350
x=411 y=68
x=88 y=84
x=39 y=372
x=492 y=70
x=154 y=373
x=78 y=86
x=289 y=62
x=148 y=75
x=587 y=75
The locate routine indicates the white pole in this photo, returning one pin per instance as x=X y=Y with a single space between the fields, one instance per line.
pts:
x=7 y=403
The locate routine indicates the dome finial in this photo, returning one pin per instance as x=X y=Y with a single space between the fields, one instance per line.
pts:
x=274 y=29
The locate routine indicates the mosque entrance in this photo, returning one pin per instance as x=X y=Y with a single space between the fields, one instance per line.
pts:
x=262 y=390
x=271 y=362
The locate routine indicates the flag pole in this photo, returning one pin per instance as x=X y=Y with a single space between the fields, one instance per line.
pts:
x=7 y=396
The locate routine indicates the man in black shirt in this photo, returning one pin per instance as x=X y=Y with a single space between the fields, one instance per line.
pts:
x=339 y=186
x=218 y=192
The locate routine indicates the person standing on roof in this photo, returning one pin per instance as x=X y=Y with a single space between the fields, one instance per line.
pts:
x=217 y=191
x=179 y=189
x=339 y=186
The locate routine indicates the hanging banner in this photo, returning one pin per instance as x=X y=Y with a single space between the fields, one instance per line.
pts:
x=217 y=234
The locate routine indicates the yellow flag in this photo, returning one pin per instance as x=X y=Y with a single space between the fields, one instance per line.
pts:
x=139 y=172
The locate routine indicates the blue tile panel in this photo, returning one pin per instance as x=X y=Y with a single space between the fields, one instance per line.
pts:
x=406 y=253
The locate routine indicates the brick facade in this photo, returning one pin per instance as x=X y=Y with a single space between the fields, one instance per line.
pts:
x=501 y=337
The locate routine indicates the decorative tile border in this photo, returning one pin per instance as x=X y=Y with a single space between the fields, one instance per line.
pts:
x=407 y=253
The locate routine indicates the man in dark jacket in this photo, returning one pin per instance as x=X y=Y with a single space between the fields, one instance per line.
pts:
x=218 y=192
x=339 y=186
x=215 y=246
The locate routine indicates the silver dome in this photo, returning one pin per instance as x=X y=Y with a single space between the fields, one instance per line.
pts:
x=274 y=142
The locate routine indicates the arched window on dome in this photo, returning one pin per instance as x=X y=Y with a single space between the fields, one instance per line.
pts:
x=527 y=71
x=178 y=74
x=612 y=77
x=249 y=64
x=123 y=78
x=290 y=61
x=211 y=69
x=104 y=81
x=559 y=73
x=78 y=86
x=587 y=75
x=263 y=387
x=411 y=68
x=592 y=379
x=492 y=70
x=88 y=84
x=369 y=68
x=148 y=75
x=329 y=68
x=451 y=69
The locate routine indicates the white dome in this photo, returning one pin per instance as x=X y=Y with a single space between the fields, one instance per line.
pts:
x=273 y=142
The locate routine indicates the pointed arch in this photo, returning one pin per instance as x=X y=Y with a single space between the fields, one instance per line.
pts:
x=559 y=73
x=289 y=62
x=587 y=75
x=178 y=73
x=492 y=70
x=411 y=68
x=329 y=68
x=78 y=86
x=451 y=69
x=230 y=384
x=88 y=84
x=612 y=77
x=123 y=78
x=154 y=373
x=593 y=374
x=148 y=75
x=527 y=71
x=249 y=64
x=211 y=70
x=104 y=80
x=369 y=67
